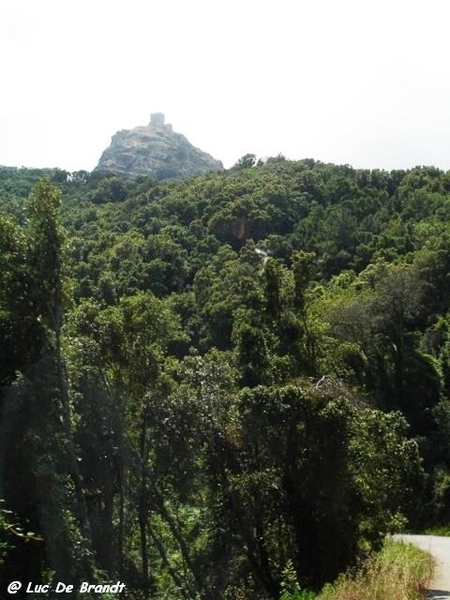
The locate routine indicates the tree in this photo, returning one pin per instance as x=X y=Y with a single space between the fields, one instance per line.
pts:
x=246 y=162
x=37 y=407
x=295 y=463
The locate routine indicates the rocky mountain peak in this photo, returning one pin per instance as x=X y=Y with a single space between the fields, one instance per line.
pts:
x=155 y=149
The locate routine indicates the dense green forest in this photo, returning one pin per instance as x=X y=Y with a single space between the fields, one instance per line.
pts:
x=228 y=387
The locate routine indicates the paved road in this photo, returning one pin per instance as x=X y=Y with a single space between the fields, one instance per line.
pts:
x=439 y=547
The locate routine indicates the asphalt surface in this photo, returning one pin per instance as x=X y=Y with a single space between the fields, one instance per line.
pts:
x=439 y=547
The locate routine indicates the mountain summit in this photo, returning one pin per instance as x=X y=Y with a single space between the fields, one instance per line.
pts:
x=155 y=149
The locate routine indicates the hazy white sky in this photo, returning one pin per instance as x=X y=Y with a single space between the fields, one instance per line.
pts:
x=345 y=81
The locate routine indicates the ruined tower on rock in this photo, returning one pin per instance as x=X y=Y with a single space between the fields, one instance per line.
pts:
x=157 y=120
x=155 y=149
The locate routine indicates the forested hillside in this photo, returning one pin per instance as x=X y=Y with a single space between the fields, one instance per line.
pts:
x=227 y=387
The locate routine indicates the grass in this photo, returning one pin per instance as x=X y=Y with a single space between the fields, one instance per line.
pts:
x=398 y=572
x=441 y=530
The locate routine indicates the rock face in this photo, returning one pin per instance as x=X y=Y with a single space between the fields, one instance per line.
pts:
x=155 y=149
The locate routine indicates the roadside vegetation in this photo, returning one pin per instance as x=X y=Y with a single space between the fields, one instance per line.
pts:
x=398 y=572
x=439 y=530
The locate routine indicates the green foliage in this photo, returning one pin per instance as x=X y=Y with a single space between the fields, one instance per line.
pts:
x=398 y=571
x=110 y=189
x=440 y=530
x=245 y=162
x=207 y=384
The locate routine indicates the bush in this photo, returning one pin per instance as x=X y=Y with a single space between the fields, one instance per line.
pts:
x=399 y=571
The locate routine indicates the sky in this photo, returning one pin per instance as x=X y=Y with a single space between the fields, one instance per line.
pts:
x=361 y=82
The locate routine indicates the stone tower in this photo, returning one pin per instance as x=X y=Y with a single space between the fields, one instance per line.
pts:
x=157 y=120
